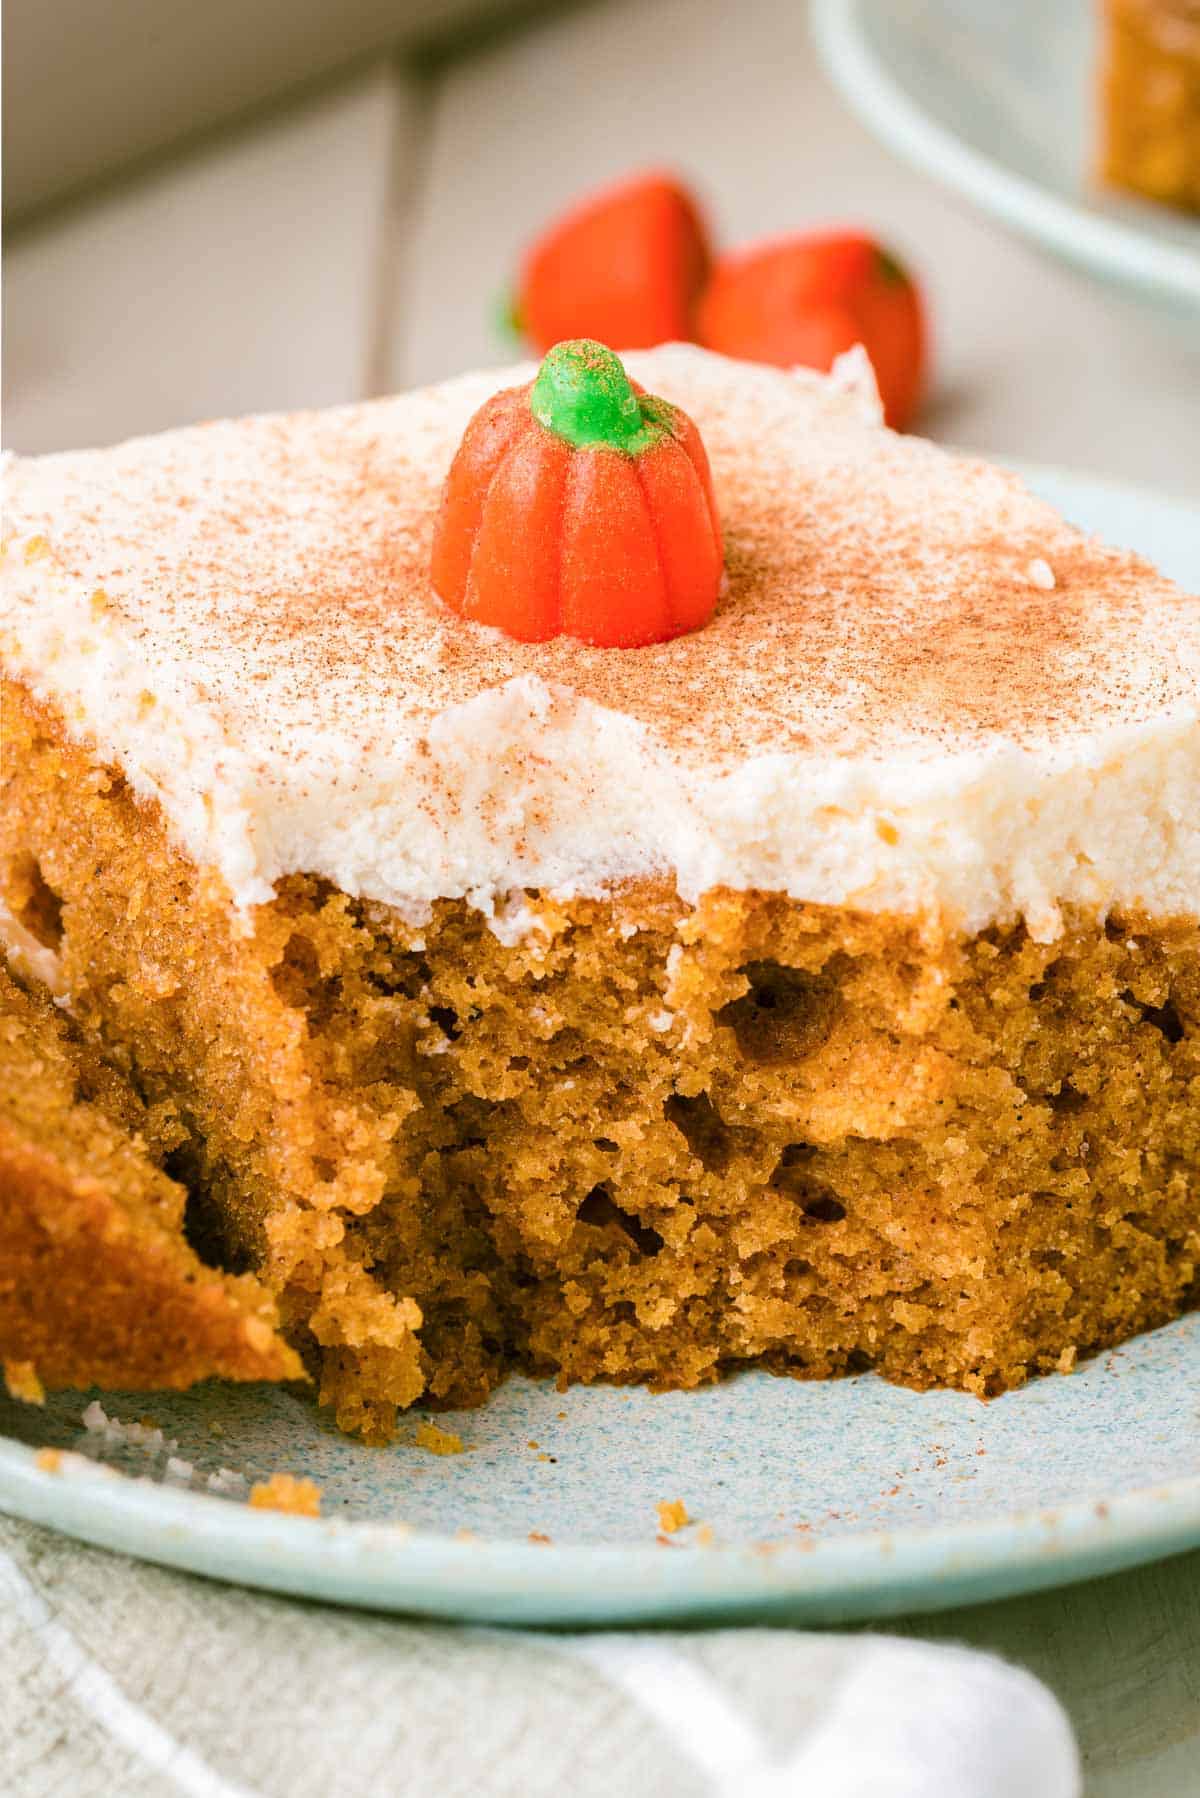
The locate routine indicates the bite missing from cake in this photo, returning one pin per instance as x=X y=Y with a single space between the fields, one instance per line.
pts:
x=820 y=988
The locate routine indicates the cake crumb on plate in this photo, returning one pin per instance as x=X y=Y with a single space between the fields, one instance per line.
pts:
x=672 y=1516
x=437 y=1441
x=285 y=1492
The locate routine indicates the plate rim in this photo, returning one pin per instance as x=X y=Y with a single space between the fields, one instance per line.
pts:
x=1100 y=245
x=391 y=1567
x=848 y=1577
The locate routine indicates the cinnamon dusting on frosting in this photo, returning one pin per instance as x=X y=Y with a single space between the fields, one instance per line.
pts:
x=885 y=602
x=879 y=591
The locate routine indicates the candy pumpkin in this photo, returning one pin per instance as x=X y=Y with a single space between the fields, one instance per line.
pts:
x=625 y=265
x=804 y=299
x=580 y=505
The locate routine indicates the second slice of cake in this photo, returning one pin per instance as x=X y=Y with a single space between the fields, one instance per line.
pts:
x=820 y=988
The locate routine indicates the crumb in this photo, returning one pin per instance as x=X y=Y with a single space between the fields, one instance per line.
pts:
x=438 y=1441
x=115 y=1434
x=1066 y=1361
x=672 y=1516
x=465 y=1535
x=562 y=1417
x=704 y=1537
x=545 y=1457
x=537 y=1536
x=22 y=1381
x=48 y=1460
x=284 y=1492
x=532 y=1444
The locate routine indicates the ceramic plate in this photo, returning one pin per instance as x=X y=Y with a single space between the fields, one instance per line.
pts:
x=998 y=101
x=824 y=1501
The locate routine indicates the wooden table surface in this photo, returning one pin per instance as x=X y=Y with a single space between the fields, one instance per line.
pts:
x=357 y=240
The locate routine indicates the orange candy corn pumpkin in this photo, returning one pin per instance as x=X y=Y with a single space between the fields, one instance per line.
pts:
x=580 y=506
x=803 y=300
x=626 y=265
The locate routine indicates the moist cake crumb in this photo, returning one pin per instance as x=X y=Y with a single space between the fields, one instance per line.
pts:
x=672 y=1516
x=286 y=1492
x=437 y=1441
x=22 y=1382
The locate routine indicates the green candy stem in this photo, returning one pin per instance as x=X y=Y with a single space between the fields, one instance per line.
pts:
x=507 y=322
x=583 y=395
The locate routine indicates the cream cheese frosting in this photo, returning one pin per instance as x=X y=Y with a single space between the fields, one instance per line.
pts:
x=922 y=690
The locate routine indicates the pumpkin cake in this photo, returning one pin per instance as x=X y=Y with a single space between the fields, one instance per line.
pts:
x=1150 y=99
x=818 y=987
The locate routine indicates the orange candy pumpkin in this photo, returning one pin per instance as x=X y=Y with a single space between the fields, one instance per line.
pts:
x=804 y=299
x=580 y=506
x=626 y=265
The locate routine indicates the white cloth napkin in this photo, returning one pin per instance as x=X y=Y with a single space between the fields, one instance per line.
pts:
x=121 y=1678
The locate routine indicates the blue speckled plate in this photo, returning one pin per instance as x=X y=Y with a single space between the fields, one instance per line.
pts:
x=997 y=99
x=829 y=1501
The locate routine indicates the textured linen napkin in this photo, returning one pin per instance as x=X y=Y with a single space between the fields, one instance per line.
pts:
x=118 y=1678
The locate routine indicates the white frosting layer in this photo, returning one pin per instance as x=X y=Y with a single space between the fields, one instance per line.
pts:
x=922 y=689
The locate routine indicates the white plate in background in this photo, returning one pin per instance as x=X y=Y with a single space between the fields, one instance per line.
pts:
x=997 y=99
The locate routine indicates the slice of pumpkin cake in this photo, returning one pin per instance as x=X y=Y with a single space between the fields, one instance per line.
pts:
x=623 y=877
